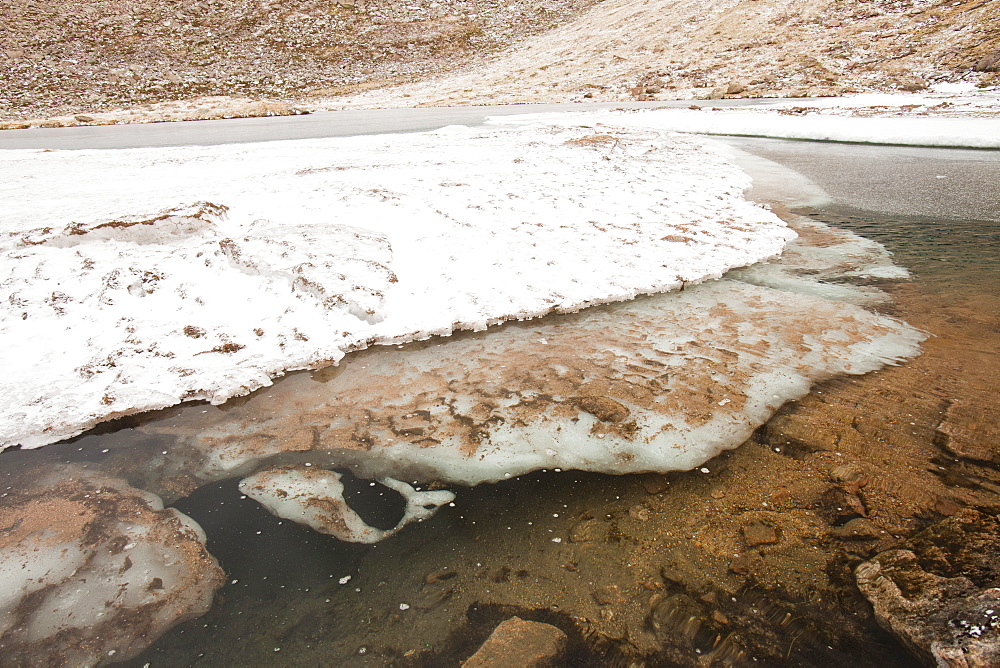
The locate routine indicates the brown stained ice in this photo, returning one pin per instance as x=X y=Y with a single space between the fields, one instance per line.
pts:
x=657 y=384
x=93 y=570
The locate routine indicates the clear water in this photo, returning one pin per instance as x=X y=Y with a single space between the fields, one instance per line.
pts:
x=943 y=254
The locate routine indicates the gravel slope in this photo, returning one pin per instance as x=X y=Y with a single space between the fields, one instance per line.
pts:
x=178 y=59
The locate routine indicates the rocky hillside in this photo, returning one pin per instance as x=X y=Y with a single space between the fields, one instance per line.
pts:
x=658 y=49
x=59 y=58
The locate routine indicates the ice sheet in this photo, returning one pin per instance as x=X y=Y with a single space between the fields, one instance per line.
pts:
x=135 y=279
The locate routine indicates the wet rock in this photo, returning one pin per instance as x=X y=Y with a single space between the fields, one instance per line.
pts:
x=92 y=570
x=857 y=529
x=517 y=642
x=608 y=595
x=946 y=507
x=839 y=506
x=940 y=596
x=759 y=533
x=656 y=484
x=745 y=564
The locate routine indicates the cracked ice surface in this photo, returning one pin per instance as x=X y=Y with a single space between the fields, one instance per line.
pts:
x=136 y=279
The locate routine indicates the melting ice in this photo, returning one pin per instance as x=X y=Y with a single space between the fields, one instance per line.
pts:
x=123 y=296
x=137 y=279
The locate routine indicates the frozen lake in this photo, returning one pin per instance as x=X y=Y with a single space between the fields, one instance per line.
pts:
x=741 y=559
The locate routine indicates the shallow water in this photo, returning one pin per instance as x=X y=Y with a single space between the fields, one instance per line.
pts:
x=948 y=255
x=642 y=569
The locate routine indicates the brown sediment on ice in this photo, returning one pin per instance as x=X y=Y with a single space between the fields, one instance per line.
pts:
x=94 y=570
x=657 y=384
x=754 y=559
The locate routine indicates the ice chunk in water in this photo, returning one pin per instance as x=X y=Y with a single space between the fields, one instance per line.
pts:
x=315 y=497
x=91 y=568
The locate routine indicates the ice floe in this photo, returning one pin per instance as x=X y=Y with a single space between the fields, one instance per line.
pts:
x=135 y=279
x=93 y=571
x=315 y=497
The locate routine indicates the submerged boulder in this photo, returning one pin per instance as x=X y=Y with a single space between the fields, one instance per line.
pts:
x=941 y=596
x=94 y=571
x=517 y=642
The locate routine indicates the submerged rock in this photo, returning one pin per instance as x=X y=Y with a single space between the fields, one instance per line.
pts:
x=94 y=571
x=941 y=597
x=517 y=642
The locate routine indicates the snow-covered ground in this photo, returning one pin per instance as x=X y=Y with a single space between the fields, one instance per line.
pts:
x=136 y=279
x=951 y=116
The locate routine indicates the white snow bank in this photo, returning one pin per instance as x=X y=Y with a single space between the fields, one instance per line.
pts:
x=808 y=120
x=135 y=279
x=963 y=99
